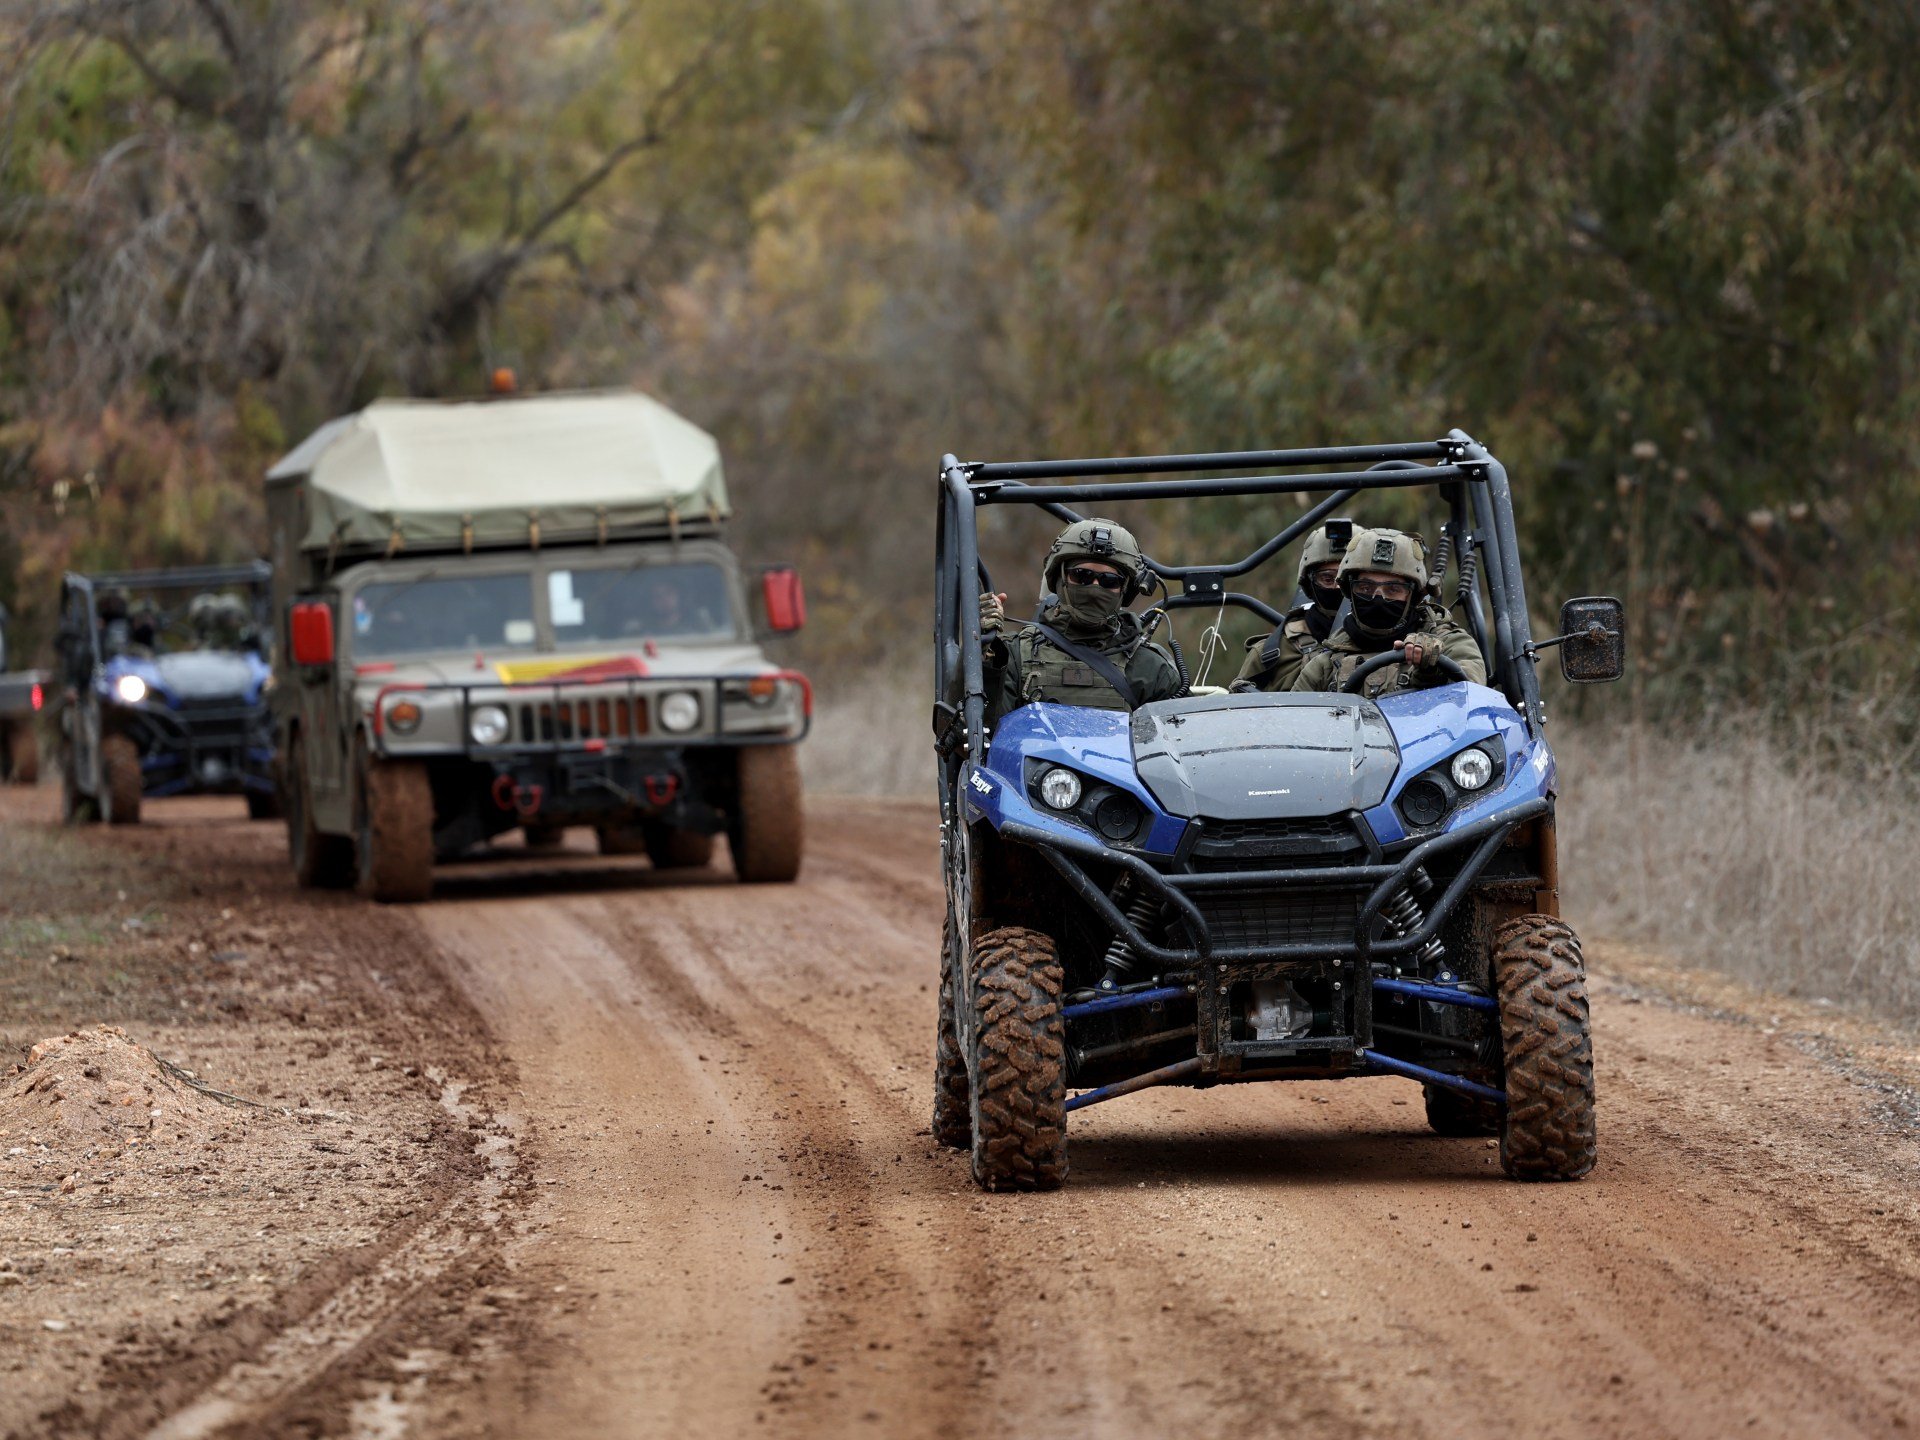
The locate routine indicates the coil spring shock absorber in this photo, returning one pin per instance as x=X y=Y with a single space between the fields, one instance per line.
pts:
x=1469 y=573
x=1139 y=909
x=1442 y=557
x=1404 y=915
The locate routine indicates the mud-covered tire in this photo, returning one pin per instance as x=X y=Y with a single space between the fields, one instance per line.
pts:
x=952 y=1095
x=320 y=861
x=23 y=754
x=263 y=807
x=621 y=839
x=671 y=848
x=1547 y=1045
x=767 y=830
x=1018 y=1042
x=120 y=780
x=1451 y=1113
x=76 y=807
x=394 y=831
x=544 y=837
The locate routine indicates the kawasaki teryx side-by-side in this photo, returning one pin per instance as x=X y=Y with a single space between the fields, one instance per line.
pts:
x=1226 y=887
x=164 y=689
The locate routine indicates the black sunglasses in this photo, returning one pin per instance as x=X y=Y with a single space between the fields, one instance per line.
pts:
x=1105 y=579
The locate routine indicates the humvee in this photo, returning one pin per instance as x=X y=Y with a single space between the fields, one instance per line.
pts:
x=523 y=613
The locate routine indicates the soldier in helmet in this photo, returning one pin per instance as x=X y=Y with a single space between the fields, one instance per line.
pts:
x=1085 y=647
x=1275 y=658
x=1384 y=578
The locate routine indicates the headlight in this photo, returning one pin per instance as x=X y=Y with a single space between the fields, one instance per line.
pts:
x=403 y=717
x=1116 y=817
x=131 y=689
x=679 y=712
x=487 y=725
x=1472 y=768
x=1060 y=788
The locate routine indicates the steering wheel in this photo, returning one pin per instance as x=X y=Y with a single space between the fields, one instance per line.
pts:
x=1446 y=667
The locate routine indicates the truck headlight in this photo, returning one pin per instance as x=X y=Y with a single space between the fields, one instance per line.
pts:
x=679 y=711
x=487 y=725
x=1472 y=768
x=1060 y=788
x=131 y=689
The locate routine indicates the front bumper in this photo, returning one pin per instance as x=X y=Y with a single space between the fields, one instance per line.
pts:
x=1353 y=947
x=201 y=749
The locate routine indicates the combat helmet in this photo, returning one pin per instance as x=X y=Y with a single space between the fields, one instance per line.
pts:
x=1391 y=552
x=1101 y=540
x=1327 y=543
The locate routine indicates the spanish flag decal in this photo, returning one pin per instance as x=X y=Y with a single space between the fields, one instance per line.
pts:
x=572 y=668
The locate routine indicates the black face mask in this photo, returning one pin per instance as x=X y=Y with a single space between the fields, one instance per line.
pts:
x=1376 y=615
x=1327 y=597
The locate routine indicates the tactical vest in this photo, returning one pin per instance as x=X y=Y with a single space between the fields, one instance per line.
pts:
x=1051 y=675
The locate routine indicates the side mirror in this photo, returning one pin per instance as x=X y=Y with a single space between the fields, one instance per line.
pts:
x=310 y=633
x=785 y=599
x=1593 y=640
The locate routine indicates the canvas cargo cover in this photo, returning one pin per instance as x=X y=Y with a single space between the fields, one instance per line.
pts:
x=433 y=475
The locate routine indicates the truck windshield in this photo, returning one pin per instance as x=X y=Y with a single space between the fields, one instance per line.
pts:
x=640 y=602
x=464 y=612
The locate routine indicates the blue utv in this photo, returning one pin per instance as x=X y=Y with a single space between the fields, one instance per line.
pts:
x=164 y=677
x=1223 y=888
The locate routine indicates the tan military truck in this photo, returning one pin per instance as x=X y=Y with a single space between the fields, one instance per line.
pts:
x=523 y=613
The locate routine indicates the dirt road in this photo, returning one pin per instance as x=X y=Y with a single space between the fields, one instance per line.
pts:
x=737 y=1223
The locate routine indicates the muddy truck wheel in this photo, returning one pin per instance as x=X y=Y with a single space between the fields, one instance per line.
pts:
x=1018 y=1044
x=1451 y=1113
x=76 y=808
x=320 y=861
x=120 y=780
x=1548 y=1048
x=952 y=1095
x=766 y=829
x=23 y=754
x=395 y=831
x=671 y=848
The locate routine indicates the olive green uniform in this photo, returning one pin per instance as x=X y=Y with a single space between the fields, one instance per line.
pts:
x=1329 y=668
x=1275 y=658
x=1026 y=666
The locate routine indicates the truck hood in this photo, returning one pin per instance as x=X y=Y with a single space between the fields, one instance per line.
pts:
x=1264 y=757
x=531 y=667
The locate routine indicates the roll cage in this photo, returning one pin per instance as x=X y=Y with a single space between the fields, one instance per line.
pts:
x=1479 y=532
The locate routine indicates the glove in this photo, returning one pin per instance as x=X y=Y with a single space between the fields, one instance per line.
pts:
x=993 y=613
x=1427 y=645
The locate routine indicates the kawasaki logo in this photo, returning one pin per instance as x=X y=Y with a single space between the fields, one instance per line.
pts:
x=1256 y=794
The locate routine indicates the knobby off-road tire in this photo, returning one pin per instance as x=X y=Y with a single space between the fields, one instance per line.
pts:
x=1451 y=1113
x=952 y=1096
x=621 y=839
x=766 y=830
x=23 y=754
x=1548 y=1047
x=120 y=780
x=75 y=808
x=320 y=862
x=671 y=848
x=395 y=831
x=1018 y=1042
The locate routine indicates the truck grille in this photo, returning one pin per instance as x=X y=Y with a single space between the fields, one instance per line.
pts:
x=605 y=717
x=1285 y=917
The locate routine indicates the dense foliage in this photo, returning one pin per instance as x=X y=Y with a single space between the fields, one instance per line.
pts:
x=1660 y=256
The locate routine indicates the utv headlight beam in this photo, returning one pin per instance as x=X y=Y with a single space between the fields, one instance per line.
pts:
x=130 y=689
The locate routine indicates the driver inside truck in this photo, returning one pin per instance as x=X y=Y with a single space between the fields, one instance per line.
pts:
x=1084 y=647
x=1383 y=576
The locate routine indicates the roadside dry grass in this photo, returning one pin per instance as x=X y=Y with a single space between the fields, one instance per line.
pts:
x=1788 y=863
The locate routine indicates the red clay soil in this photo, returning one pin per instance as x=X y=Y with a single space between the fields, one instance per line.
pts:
x=717 y=1209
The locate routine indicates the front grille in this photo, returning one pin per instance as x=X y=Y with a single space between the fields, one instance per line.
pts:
x=1282 y=917
x=604 y=717
x=1261 y=839
x=216 y=720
